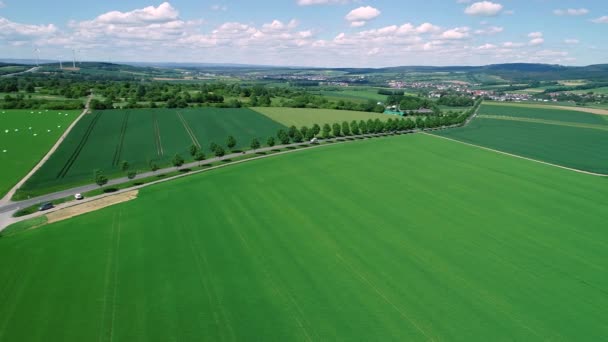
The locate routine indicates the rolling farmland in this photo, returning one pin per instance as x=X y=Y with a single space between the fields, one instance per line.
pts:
x=567 y=138
x=25 y=137
x=103 y=139
x=335 y=263
x=308 y=117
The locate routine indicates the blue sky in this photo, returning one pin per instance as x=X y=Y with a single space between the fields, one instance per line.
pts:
x=344 y=33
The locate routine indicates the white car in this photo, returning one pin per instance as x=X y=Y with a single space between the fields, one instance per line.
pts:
x=78 y=197
x=314 y=141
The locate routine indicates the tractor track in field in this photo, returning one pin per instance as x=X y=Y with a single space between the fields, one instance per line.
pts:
x=121 y=141
x=157 y=140
x=189 y=130
x=66 y=167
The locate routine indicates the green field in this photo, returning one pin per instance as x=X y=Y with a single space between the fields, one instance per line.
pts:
x=407 y=238
x=600 y=91
x=357 y=95
x=103 y=139
x=307 y=117
x=21 y=148
x=562 y=144
x=564 y=115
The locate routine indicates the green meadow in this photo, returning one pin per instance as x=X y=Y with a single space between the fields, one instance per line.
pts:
x=25 y=137
x=408 y=238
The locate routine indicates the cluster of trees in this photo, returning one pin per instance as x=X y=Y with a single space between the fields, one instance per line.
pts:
x=410 y=102
x=456 y=101
x=390 y=92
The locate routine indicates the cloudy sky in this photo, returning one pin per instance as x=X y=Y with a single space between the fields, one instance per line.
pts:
x=326 y=33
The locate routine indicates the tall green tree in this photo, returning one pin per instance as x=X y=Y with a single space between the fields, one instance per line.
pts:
x=219 y=152
x=193 y=149
x=231 y=143
x=304 y=130
x=270 y=142
x=177 y=160
x=316 y=129
x=255 y=144
x=363 y=127
x=100 y=178
x=297 y=137
x=336 y=130
x=326 y=131
x=354 y=127
x=291 y=132
x=345 y=128
x=283 y=137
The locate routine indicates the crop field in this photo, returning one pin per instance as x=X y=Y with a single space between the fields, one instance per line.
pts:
x=357 y=95
x=308 y=117
x=407 y=238
x=579 y=146
x=25 y=137
x=543 y=113
x=592 y=108
x=103 y=139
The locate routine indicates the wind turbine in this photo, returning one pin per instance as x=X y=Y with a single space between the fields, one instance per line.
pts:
x=37 y=52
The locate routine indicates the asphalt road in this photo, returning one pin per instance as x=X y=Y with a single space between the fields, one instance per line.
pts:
x=13 y=206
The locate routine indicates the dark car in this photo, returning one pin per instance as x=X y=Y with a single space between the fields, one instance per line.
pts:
x=45 y=206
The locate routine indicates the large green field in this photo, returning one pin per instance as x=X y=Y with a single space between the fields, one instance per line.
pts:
x=403 y=238
x=25 y=137
x=103 y=139
x=568 y=138
x=546 y=113
x=308 y=117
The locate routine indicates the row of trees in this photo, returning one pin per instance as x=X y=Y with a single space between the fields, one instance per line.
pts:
x=305 y=133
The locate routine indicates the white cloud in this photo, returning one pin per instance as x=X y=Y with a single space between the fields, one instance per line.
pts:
x=490 y=30
x=484 y=8
x=571 y=41
x=456 y=33
x=163 y=13
x=364 y=13
x=486 y=47
x=571 y=11
x=218 y=7
x=535 y=35
x=16 y=31
x=358 y=23
x=601 y=20
x=536 y=41
x=512 y=44
x=321 y=2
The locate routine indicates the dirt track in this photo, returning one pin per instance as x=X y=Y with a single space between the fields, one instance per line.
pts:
x=64 y=214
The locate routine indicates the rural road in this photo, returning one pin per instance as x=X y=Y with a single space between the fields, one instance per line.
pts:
x=34 y=69
x=9 y=206
x=7 y=198
x=7 y=210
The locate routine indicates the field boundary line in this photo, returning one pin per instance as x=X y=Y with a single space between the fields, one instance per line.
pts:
x=11 y=192
x=157 y=138
x=518 y=156
x=121 y=141
x=189 y=130
x=68 y=165
x=596 y=111
x=543 y=121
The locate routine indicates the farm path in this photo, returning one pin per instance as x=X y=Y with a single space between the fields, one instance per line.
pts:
x=520 y=157
x=7 y=198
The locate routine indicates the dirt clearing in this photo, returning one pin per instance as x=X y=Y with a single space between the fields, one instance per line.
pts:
x=87 y=207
